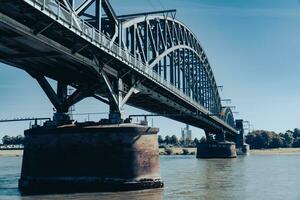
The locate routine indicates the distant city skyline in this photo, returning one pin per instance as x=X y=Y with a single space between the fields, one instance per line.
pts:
x=186 y=133
x=253 y=49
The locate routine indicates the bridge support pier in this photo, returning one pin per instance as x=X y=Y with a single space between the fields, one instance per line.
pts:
x=116 y=117
x=242 y=147
x=73 y=158
x=218 y=148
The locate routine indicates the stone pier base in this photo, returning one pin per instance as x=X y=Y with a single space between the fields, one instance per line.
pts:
x=90 y=159
x=216 y=150
x=244 y=150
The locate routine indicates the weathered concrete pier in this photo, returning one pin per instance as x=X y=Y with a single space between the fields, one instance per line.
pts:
x=72 y=158
x=242 y=147
x=216 y=150
x=216 y=146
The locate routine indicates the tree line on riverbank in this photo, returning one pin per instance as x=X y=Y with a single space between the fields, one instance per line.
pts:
x=262 y=139
x=168 y=140
x=258 y=139
x=174 y=141
x=13 y=140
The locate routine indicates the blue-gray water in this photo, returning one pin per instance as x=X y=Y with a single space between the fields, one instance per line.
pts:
x=252 y=177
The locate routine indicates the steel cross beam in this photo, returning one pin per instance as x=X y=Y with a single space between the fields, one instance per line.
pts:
x=23 y=119
x=60 y=99
x=172 y=11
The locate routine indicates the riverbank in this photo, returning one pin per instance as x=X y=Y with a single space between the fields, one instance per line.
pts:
x=162 y=151
x=188 y=151
x=278 y=151
x=177 y=151
x=11 y=153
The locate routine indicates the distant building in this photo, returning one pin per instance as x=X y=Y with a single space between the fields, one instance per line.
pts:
x=186 y=133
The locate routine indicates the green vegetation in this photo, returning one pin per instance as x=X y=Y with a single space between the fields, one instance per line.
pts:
x=11 y=140
x=171 y=145
x=174 y=141
x=261 y=139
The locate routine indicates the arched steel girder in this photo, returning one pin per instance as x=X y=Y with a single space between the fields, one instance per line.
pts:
x=155 y=37
x=214 y=107
x=168 y=51
x=228 y=116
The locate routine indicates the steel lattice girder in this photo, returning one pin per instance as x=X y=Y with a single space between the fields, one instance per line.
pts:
x=171 y=49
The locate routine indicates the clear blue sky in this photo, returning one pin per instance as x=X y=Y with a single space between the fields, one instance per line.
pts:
x=253 y=47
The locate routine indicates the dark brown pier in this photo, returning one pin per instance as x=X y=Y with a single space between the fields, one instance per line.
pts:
x=89 y=159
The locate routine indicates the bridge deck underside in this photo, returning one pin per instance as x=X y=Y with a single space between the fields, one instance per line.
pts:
x=34 y=42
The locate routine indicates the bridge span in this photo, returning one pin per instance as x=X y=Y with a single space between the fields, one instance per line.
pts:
x=151 y=61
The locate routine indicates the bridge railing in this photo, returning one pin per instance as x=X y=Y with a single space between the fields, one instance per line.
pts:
x=67 y=18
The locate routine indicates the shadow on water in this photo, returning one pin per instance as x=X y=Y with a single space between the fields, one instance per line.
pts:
x=136 y=195
x=10 y=168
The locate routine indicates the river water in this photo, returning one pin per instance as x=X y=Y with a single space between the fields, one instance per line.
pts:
x=252 y=177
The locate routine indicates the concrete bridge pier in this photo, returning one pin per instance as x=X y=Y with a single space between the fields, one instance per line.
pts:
x=242 y=147
x=81 y=158
x=216 y=148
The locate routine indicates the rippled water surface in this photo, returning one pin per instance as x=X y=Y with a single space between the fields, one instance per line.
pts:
x=252 y=177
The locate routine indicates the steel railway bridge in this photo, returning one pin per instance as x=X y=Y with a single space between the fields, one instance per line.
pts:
x=150 y=61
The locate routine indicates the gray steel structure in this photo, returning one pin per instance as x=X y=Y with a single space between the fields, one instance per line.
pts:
x=149 y=60
x=24 y=119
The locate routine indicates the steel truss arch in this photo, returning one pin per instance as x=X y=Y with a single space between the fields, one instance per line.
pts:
x=228 y=116
x=173 y=51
